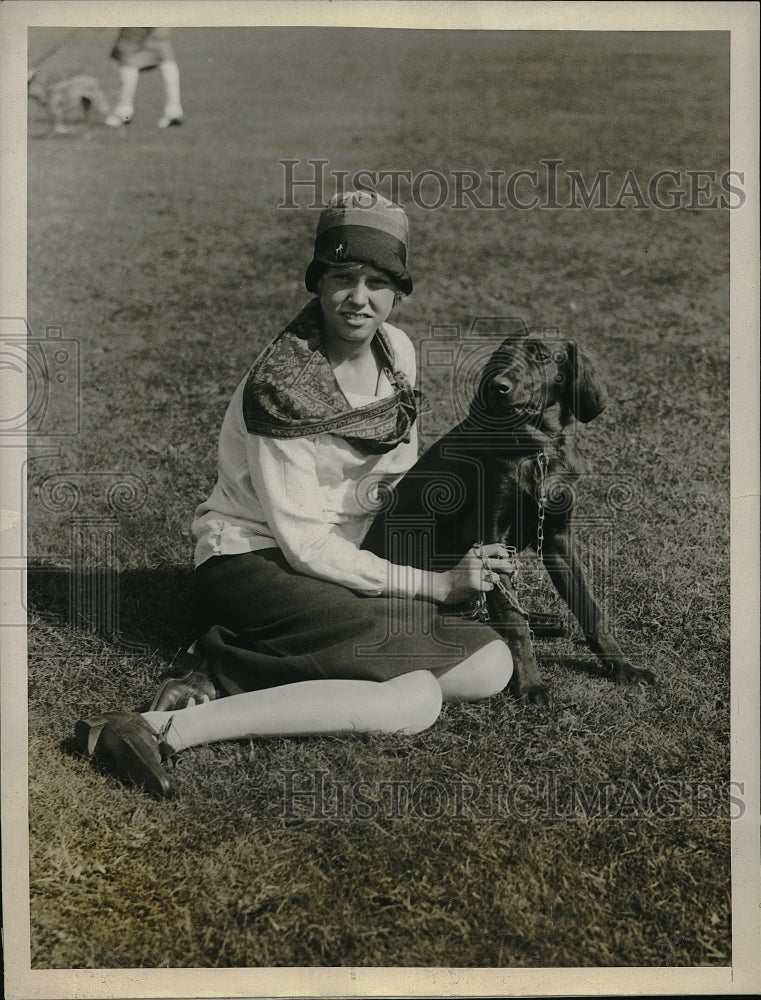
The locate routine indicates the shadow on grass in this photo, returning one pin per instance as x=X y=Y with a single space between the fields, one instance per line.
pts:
x=153 y=610
x=584 y=664
x=150 y=610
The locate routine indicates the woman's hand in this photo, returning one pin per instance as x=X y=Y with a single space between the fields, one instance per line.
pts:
x=470 y=576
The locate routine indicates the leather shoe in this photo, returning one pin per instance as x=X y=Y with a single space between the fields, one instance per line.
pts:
x=115 y=120
x=166 y=121
x=133 y=745
x=195 y=688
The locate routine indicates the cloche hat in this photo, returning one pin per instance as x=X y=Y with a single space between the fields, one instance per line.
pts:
x=361 y=227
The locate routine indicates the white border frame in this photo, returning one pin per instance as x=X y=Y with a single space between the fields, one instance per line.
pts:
x=742 y=20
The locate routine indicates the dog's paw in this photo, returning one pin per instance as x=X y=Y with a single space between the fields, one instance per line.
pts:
x=534 y=694
x=538 y=695
x=626 y=673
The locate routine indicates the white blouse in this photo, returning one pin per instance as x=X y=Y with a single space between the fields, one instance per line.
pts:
x=312 y=497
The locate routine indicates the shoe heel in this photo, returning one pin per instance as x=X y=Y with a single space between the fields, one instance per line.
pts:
x=176 y=692
x=87 y=733
x=165 y=688
x=133 y=747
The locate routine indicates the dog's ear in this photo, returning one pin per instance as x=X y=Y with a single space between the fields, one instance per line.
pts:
x=588 y=395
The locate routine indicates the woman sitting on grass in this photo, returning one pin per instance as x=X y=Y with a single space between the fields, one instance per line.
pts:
x=305 y=633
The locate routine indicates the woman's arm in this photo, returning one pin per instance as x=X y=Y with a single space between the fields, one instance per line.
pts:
x=284 y=476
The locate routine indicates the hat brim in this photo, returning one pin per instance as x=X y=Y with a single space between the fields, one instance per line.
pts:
x=364 y=228
x=318 y=267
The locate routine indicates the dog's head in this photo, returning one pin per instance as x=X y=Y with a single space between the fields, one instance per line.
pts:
x=526 y=377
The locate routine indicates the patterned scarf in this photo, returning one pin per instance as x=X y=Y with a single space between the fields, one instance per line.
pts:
x=291 y=392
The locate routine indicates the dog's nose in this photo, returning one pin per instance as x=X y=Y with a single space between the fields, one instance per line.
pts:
x=502 y=385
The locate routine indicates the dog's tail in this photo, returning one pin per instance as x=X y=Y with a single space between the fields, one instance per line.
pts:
x=35 y=88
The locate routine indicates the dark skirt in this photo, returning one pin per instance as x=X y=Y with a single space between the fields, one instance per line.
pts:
x=263 y=624
x=143 y=47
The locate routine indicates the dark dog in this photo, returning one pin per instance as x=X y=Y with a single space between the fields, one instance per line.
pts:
x=507 y=469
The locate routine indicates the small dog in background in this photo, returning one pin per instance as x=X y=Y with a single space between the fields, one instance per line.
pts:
x=66 y=97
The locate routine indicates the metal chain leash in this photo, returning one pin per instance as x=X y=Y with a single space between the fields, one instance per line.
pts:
x=511 y=569
x=478 y=611
x=541 y=460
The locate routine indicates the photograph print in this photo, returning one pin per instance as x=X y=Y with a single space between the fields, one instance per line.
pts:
x=370 y=591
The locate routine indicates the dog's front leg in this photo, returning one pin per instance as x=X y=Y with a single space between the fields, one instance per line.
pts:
x=567 y=573
x=526 y=682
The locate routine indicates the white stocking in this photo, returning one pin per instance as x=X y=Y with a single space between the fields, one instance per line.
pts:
x=482 y=674
x=170 y=74
x=409 y=703
x=126 y=105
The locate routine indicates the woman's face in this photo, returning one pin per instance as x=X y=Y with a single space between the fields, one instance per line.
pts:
x=355 y=302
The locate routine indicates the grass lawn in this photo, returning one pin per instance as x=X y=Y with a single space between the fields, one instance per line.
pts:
x=165 y=256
